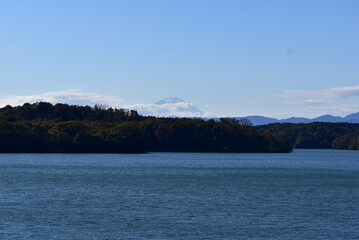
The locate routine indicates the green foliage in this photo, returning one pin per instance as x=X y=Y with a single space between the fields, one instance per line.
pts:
x=43 y=111
x=348 y=141
x=317 y=135
x=276 y=142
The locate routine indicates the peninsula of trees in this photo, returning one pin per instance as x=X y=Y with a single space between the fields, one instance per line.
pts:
x=318 y=135
x=45 y=128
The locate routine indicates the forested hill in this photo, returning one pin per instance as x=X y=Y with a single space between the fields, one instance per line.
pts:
x=62 y=128
x=43 y=111
x=317 y=134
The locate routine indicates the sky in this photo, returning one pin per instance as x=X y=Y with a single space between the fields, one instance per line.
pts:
x=222 y=57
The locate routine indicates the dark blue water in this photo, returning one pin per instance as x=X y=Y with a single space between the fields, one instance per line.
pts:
x=308 y=194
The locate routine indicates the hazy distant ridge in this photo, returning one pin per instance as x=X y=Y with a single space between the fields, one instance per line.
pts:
x=260 y=120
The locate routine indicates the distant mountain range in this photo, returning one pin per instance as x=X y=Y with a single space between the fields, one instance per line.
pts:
x=260 y=120
x=177 y=107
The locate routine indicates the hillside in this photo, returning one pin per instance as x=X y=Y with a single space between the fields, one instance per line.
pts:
x=317 y=134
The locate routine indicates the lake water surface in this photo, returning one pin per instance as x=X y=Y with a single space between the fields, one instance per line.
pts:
x=307 y=194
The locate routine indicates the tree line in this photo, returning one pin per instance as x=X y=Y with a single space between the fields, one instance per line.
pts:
x=61 y=128
x=317 y=135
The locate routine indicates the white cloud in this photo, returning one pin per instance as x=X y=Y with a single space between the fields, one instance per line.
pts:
x=331 y=93
x=312 y=103
x=336 y=110
x=70 y=96
x=332 y=101
x=263 y=100
x=304 y=102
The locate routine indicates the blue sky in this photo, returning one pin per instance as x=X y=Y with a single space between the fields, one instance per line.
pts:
x=228 y=58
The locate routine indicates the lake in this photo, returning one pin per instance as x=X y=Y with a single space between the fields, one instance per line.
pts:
x=307 y=194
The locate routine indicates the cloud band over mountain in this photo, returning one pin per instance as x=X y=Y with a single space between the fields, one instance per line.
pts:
x=335 y=101
x=167 y=107
x=70 y=96
x=176 y=109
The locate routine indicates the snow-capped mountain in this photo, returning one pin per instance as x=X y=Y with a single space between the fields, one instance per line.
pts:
x=168 y=107
x=169 y=100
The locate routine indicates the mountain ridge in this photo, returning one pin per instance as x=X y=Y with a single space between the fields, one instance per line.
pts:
x=166 y=107
x=261 y=120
